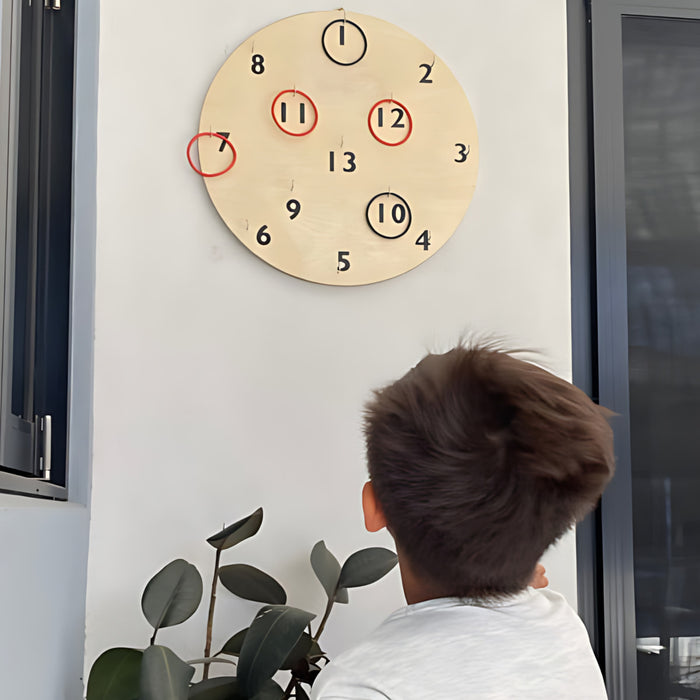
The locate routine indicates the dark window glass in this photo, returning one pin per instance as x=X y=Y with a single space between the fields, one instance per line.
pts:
x=661 y=77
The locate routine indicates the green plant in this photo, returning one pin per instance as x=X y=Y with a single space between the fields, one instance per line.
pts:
x=280 y=637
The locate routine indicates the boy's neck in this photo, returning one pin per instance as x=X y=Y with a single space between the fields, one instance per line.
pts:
x=415 y=588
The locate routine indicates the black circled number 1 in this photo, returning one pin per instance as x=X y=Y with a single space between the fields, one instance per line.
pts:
x=463 y=152
x=343 y=262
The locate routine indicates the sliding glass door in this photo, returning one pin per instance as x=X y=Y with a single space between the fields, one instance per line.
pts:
x=646 y=127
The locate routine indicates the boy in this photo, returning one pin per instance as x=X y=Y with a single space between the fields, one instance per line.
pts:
x=478 y=462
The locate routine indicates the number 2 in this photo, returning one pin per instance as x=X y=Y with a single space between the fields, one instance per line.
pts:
x=428 y=70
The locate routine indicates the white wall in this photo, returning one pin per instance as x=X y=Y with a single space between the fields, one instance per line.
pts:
x=222 y=384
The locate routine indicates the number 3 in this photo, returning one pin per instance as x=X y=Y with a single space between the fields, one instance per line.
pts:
x=463 y=152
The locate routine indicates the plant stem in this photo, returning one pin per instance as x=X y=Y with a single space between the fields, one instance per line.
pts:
x=210 y=620
x=153 y=638
x=326 y=615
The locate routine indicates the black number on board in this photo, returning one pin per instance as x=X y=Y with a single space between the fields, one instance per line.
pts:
x=343 y=262
x=258 y=65
x=428 y=70
x=293 y=207
x=398 y=124
x=223 y=145
x=341 y=38
x=350 y=166
x=302 y=112
x=463 y=152
x=424 y=239
x=398 y=213
x=263 y=237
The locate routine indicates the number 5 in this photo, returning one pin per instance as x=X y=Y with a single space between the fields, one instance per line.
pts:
x=343 y=262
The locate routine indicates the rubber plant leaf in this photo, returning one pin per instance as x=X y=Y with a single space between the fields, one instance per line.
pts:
x=250 y=583
x=269 y=691
x=222 y=688
x=304 y=646
x=239 y=531
x=270 y=638
x=366 y=566
x=172 y=595
x=115 y=675
x=234 y=644
x=164 y=676
x=326 y=567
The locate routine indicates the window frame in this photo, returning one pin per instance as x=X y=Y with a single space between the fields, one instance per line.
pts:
x=20 y=448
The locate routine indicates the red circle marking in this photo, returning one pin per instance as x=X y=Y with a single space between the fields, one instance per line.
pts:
x=304 y=95
x=224 y=139
x=371 y=128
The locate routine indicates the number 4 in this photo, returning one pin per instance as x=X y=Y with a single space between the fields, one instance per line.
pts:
x=424 y=239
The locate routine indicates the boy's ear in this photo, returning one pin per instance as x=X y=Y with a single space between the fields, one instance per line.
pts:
x=374 y=515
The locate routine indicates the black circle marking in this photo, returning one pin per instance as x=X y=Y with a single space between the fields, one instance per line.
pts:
x=408 y=211
x=325 y=50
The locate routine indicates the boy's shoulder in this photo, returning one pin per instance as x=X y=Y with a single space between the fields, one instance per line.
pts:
x=532 y=641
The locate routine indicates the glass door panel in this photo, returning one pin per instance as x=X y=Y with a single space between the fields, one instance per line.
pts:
x=661 y=98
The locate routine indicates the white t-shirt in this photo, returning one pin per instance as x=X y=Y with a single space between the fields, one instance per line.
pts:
x=531 y=646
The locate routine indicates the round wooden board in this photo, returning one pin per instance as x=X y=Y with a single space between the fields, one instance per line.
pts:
x=339 y=205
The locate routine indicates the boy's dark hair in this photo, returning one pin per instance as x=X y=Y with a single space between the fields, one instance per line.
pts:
x=480 y=461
